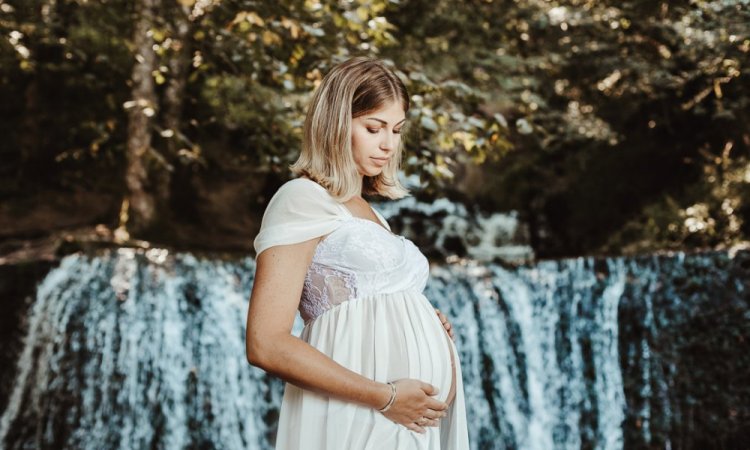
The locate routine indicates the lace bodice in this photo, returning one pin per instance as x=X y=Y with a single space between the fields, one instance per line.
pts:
x=358 y=257
x=361 y=258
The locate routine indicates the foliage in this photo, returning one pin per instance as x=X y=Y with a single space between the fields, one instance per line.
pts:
x=600 y=122
x=615 y=106
x=61 y=115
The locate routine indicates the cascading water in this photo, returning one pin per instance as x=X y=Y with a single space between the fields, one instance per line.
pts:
x=129 y=351
x=135 y=350
x=523 y=350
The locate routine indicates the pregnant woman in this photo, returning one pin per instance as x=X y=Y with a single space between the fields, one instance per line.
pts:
x=375 y=366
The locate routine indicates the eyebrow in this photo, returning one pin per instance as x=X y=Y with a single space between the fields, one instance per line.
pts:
x=384 y=122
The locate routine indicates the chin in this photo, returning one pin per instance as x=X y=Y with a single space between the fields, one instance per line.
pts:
x=370 y=172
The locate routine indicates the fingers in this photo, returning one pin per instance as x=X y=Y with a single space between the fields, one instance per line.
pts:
x=443 y=317
x=431 y=418
x=424 y=409
x=415 y=427
x=425 y=421
x=435 y=415
x=429 y=389
x=446 y=324
x=429 y=422
x=437 y=405
x=449 y=329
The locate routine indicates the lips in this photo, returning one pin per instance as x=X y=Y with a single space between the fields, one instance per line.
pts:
x=380 y=161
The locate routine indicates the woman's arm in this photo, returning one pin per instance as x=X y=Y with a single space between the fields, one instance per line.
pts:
x=279 y=277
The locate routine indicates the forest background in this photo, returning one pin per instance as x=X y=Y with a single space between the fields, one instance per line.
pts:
x=611 y=127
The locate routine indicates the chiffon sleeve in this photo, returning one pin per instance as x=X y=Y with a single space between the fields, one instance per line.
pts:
x=300 y=210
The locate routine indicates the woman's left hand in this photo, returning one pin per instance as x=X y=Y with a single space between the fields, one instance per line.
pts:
x=446 y=324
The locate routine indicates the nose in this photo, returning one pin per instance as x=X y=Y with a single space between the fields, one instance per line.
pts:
x=387 y=142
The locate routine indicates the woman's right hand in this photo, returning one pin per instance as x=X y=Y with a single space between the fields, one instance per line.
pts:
x=414 y=406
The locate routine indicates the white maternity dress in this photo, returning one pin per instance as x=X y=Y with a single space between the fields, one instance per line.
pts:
x=362 y=305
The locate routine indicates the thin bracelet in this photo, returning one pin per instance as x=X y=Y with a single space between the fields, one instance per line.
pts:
x=393 y=397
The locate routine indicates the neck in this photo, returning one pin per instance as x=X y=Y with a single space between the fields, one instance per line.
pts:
x=361 y=182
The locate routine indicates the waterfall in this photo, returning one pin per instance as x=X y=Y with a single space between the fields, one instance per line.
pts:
x=131 y=350
x=537 y=366
x=144 y=349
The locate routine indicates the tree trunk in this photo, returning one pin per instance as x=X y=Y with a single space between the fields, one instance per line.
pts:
x=30 y=139
x=179 y=63
x=141 y=110
x=179 y=66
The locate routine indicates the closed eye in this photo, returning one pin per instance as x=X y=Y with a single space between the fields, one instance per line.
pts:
x=372 y=131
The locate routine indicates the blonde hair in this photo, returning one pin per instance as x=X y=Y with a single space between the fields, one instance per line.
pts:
x=353 y=88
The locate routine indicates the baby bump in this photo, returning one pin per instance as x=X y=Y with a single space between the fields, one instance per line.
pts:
x=389 y=337
x=448 y=363
x=418 y=347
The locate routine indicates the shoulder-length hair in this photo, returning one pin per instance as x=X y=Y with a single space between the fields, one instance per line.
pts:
x=353 y=88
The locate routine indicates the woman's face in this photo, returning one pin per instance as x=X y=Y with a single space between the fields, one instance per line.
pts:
x=375 y=138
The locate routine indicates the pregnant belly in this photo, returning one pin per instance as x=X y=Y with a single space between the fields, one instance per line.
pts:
x=435 y=362
x=420 y=348
x=447 y=361
x=389 y=337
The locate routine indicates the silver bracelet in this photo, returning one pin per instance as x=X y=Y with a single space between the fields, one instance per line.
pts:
x=393 y=397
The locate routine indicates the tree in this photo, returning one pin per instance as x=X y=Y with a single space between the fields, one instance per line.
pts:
x=141 y=109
